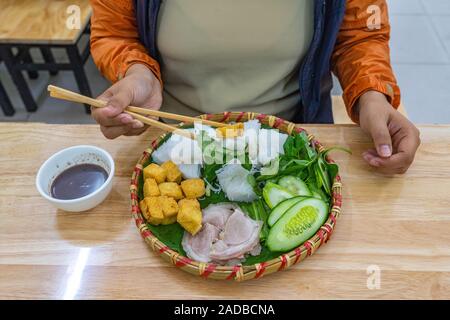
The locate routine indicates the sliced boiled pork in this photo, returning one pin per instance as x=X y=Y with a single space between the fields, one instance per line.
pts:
x=227 y=235
x=240 y=236
x=218 y=214
x=199 y=247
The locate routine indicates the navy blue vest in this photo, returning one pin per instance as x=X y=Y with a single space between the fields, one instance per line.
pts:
x=315 y=79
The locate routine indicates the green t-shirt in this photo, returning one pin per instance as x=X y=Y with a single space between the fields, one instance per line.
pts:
x=233 y=55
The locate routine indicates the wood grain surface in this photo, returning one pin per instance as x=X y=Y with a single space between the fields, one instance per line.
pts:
x=397 y=224
x=41 y=21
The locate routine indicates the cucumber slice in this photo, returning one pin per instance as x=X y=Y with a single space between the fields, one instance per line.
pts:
x=316 y=195
x=297 y=225
x=281 y=208
x=273 y=194
x=295 y=185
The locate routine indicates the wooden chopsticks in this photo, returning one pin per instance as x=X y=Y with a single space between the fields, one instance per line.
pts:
x=135 y=112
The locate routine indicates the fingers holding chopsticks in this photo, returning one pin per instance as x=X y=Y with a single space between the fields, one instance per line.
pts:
x=128 y=105
x=112 y=114
x=117 y=131
x=117 y=111
x=137 y=88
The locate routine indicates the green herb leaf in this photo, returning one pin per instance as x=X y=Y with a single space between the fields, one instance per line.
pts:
x=171 y=235
x=215 y=197
x=258 y=211
x=272 y=168
x=265 y=255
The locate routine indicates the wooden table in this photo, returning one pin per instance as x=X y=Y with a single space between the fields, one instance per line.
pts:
x=400 y=225
x=43 y=24
x=41 y=21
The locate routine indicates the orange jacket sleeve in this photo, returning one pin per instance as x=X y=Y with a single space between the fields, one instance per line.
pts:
x=115 y=44
x=361 y=59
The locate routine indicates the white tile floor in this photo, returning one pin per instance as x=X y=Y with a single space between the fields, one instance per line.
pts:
x=421 y=57
x=420 y=49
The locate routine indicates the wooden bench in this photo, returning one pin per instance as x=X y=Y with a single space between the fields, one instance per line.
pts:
x=340 y=112
x=41 y=24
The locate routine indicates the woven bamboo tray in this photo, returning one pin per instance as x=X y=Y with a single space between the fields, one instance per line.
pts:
x=237 y=272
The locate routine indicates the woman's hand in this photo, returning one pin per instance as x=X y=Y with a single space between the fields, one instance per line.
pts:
x=395 y=138
x=139 y=88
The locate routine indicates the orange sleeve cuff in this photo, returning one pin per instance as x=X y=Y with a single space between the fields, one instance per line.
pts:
x=370 y=83
x=140 y=58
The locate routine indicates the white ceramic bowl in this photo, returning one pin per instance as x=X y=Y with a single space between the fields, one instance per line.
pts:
x=66 y=158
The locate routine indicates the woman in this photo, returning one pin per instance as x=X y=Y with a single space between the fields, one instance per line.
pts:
x=266 y=56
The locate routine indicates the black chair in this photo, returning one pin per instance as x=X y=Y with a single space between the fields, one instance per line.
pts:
x=5 y=102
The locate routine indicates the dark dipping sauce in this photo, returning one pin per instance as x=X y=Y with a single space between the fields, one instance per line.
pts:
x=78 y=181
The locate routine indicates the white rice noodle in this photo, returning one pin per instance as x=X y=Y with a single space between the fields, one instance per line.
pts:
x=250 y=138
x=190 y=171
x=233 y=180
x=251 y=133
x=179 y=149
x=283 y=138
x=162 y=153
x=264 y=145
x=251 y=127
x=270 y=145
x=212 y=188
x=210 y=131
x=187 y=151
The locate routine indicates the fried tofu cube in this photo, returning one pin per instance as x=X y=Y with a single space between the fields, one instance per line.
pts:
x=189 y=203
x=151 y=188
x=231 y=130
x=152 y=210
x=169 y=206
x=193 y=188
x=173 y=173
x=190 y=215
x=171 y=189
x=169 y=220
x=155 y=172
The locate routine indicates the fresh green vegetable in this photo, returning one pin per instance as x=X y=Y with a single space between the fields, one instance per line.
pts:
x=274 y=194
x=292 y=219
x=258 y=212
x=326 y=172
x=318 y=193
x=302 y=160
x=298 y=147
x=210 y=155
x=298 y=156
x=213 y=198
x=265 y=255
x=297 y=225
x=281 y=209
x=295 y=185
x=171 y=235
x=209 y=172
x=216 y=156
x=272 y=168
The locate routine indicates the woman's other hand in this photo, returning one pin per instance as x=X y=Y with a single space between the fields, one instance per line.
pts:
x=139 y=88
x=395 y=138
